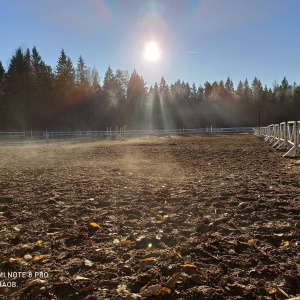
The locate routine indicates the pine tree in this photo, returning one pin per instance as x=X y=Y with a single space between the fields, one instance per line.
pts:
x=163 y=87
x=81 y=74
x=296 y=96
x=2 y=76
x=200 y=94
x=214 y=94
x=42 y=91
x=186 y=91
x=120 y=85
x=19 y=85
x=247 y=92
x=64 y=76
x=94 y=80
x=194 y=93
x=286 y=92
x=229 y=89
x=108 y=80
x=238 y=96
x=156 y=113
x=136 y=95
x=3 y=104
x=257 y=91
x=207 y=90
x=222 y=91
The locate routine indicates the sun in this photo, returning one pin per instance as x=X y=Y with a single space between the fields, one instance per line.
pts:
x=152 y=52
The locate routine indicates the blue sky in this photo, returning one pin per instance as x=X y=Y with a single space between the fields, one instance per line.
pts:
x=199 y=40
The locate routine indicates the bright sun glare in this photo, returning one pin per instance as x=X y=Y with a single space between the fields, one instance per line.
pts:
x=152 y=52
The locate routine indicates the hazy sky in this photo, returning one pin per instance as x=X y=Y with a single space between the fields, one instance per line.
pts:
x=199 y=40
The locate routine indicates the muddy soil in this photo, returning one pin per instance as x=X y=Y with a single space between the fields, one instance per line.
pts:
x=207 y=217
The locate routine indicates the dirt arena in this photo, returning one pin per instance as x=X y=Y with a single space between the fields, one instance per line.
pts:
x=206 y=217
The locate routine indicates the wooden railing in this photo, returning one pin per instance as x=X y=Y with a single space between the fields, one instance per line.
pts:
x=283 y=136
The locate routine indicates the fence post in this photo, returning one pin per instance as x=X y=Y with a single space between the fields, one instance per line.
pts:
x=295 y=138
x=294 y=151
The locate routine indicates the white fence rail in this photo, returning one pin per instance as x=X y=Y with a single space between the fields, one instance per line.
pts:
x=121 y=132
x=283 y=136
x=11 y=135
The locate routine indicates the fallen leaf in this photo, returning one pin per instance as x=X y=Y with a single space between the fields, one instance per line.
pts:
x=75 y=223
x=77 y=277
x=176 y=253
x=262 y=252
x=126 y=243
x=286 y=243
x=172 y=280
x=88 y=263
x=123 y=291
x=28 y=257
x=250 y=242
x=35 y=282
x=163 y=291
x=94 y=225
x=214 y=234
x=38 y=257
x=272 y=292
x=14 y=260
x=150 y=290
x=158 y=215
x=40 y=242
x=88 y=288
x=188 y=266
x=148 y=261
x=155 y=290
x=52 y=233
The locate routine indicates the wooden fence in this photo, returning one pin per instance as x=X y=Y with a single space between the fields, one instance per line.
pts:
x=283 y=136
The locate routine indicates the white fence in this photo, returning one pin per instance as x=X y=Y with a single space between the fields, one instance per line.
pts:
x=11 y=135
x=283 y=136
x=122 y=132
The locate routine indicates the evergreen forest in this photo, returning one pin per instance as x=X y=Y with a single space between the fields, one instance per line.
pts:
x=69 y=96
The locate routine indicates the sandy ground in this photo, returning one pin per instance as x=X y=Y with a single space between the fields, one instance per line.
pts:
x=206 y=217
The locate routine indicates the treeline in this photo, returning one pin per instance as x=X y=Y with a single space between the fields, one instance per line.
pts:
x=35 y=96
